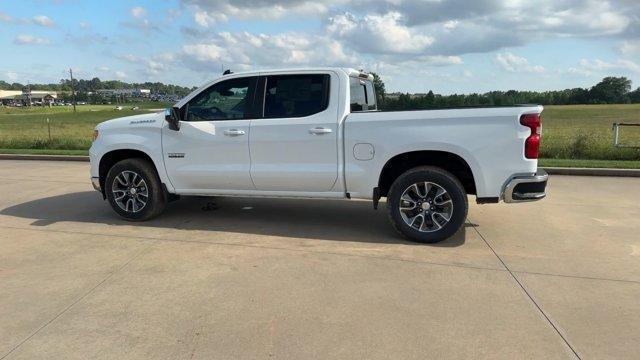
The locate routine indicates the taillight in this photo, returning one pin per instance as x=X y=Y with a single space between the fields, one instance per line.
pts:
x=532 y=144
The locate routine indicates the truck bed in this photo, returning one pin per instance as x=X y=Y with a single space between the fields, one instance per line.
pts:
x=489 y=139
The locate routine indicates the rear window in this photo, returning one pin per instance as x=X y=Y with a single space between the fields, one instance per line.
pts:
x=363 y=96
x=289 y=96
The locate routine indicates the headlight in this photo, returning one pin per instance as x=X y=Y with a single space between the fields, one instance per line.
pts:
x=95 y=135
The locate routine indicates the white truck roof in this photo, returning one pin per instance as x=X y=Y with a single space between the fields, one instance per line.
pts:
x=349 y=71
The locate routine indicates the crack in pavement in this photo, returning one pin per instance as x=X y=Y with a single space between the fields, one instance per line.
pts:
x=83 y=296
x=528 y=294
x=259 y=247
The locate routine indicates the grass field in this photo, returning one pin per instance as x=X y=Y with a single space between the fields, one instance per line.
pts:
x=570 y=133
x=616 y=164
x=26 y=128
x=585 y=132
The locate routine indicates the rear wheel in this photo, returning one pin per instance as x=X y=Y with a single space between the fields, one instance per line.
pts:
x=427 y=204
x=134 y=190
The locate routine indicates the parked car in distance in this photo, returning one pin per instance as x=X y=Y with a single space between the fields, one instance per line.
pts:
x=317 y=133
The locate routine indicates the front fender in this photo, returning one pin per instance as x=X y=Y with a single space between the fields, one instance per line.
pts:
x=147 y=141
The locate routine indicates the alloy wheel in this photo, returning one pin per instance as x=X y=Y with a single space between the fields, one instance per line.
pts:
x=130 y=191
x=426 y=206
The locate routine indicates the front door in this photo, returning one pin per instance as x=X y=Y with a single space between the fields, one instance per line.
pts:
x=294 y=147
x=211 y=150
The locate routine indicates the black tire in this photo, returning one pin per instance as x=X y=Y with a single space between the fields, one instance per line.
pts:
x=444 y=180
x=156 y=199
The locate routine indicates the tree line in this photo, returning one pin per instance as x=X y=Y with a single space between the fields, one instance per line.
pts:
x=611 y=90
x=83 y=86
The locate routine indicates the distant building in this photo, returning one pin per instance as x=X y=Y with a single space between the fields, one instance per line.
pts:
x=34 y=97
x=9 y=93
x=39 y=97
x=125 y=92
x=9 y=96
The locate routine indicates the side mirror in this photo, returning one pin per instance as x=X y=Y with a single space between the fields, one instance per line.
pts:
x=172 y=116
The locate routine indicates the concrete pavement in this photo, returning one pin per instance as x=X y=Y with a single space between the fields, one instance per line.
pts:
x=260 y=278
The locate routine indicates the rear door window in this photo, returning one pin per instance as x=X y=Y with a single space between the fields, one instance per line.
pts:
x=288 y=96
x=362 y=95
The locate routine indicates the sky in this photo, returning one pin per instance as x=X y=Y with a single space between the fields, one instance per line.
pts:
x=448 y=46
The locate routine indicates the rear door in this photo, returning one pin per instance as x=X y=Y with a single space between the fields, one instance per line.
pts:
x=294 y=146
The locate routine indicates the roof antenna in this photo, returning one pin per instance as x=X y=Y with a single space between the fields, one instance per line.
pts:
x=227 y=72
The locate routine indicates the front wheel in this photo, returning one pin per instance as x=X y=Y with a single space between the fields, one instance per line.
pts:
x=134 y=190
x=427 y=204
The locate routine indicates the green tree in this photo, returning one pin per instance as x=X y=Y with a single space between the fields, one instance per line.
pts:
x=612 y=90
x=634 y=96
x=430 y=99
x=95 y=84
x=381 y=93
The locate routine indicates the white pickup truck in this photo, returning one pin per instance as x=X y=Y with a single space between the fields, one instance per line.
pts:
x=317 y=133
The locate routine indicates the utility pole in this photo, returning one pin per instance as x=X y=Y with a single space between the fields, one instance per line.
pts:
x=73 y=91
x=28 y=93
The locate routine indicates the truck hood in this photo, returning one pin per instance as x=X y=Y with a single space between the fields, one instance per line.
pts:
x=142 y=120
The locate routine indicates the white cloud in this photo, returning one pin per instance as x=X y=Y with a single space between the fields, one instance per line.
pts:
x=245 y=50
x=438 y=27
x=43 y=20
x=517 y=64
x=440 y=60
x=86 y=37
x=629 y=65
x=383 y=34
x=630 y=47
x=457 y=77
x=597 y=66
x=130 y=58
x=203 y=18
x=120 y=74
x=151 y=65
x=205 y=52
x=138 y=12
x=4 y=17
x=579 y=71
x=102 y=68
x=450 y=25
x=139 y=21
x=24 y=39
x=208 y=12
x=12 y=76
x=567 y=17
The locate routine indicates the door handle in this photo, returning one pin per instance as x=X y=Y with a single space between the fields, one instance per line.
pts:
x=234 y=132
x=320 y=131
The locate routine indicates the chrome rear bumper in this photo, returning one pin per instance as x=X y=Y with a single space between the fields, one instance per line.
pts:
x=523 y=188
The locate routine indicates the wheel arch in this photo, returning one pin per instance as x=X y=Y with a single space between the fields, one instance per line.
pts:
x=112 y=157
x=445 y=160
